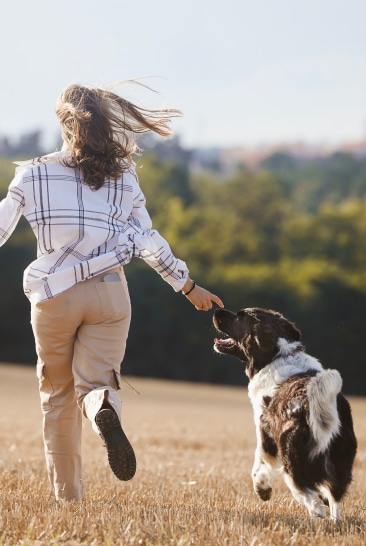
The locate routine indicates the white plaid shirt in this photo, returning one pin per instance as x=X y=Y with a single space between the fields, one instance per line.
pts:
x=81 y=232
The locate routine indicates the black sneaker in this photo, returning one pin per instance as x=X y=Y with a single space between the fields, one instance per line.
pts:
x=121 y=456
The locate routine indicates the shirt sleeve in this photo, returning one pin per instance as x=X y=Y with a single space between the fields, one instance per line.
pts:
x=11 y=208
x=147 y=243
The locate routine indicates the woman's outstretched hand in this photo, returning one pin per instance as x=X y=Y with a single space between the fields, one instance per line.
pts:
x=201 y=298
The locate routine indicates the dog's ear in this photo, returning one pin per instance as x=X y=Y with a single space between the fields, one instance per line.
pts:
x=263 y=335
x=292 y=333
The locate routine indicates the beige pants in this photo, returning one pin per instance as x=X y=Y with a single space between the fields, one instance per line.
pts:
x=80 y=340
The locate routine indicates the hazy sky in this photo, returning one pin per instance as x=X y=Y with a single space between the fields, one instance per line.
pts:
x=243 y=73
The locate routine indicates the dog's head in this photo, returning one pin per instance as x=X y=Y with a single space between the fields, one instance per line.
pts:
x=253 y=335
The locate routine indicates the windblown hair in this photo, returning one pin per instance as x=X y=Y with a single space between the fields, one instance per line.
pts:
x=100 y=129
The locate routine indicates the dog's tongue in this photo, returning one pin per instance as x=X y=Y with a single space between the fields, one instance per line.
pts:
x=227 y=341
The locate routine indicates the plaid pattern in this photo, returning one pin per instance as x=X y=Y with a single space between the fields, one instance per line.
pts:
x=81 y=232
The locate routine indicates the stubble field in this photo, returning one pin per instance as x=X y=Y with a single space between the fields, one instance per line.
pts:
x=194 y=446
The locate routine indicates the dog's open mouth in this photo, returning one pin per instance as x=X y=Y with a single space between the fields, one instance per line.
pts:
x=227 y=343
x=229 y=346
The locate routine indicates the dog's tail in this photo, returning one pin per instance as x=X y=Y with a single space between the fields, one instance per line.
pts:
x=324 y=421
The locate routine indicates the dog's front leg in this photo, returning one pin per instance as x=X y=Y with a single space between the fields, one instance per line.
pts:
x=261 y=474
x=265 y=462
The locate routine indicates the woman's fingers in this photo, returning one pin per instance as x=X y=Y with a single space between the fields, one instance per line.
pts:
x=202 y=299
x=217 y=300
x=207 y=305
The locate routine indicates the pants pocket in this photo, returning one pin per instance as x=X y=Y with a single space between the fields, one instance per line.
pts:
x=114 y=299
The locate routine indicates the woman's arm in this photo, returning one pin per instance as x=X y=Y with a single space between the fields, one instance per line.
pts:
x=11 y=208
x=148 y=244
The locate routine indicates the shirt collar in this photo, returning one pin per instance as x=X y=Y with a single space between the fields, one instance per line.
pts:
x=49 y=158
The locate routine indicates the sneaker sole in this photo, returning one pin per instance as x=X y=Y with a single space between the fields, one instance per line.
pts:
x=121 y=456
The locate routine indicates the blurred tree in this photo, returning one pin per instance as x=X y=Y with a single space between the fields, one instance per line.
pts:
x=28 y=146
x=290 y=237
x=315 y=181
x=161 y=179
x=7 y=169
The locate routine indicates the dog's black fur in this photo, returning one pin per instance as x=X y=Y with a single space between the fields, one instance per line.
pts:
x=304 y=423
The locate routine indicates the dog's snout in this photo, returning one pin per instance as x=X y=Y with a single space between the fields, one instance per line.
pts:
x=219 y=313
x=216 y=316
x=221 y=318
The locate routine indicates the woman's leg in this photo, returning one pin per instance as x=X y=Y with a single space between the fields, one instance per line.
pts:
x=98 y=352
x=54 y=336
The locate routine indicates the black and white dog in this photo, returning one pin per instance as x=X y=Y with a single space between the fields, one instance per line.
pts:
x=303 y=423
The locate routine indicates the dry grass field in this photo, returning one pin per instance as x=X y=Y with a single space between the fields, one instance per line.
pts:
x=194 y=446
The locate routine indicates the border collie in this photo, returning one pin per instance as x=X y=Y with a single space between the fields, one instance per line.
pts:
x=303 y=423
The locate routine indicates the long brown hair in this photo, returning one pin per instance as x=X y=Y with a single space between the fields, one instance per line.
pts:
x=100 y=127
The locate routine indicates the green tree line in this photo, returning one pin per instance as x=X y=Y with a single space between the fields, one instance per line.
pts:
x=290 y=236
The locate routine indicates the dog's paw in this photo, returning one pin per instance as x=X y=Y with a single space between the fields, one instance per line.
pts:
x=261 y=482
x=264 y=494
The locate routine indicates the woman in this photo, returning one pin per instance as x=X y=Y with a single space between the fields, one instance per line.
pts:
x=88 y=214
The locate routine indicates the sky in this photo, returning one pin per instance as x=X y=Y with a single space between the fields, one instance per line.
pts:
x=244 y=73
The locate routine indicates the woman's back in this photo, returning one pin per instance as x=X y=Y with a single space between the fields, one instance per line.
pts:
x=68 y=216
